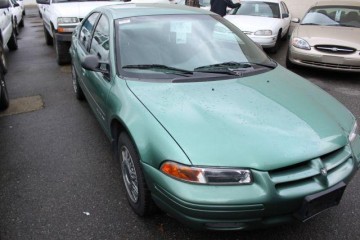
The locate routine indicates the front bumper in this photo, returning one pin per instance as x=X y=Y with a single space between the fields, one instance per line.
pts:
x=317 y=59
x=261 y=204
x=264 y=41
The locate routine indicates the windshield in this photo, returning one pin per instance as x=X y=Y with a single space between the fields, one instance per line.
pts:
x=183 y=44
x=333 y=16
x=260 y=9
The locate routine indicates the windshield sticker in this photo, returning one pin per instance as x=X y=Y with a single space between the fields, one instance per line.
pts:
x=181 y=38
x=256 y=8
x=338 y=15
x=181 y=27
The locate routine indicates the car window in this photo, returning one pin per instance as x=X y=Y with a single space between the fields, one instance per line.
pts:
x=285 y=7
x=100 y=41
x=343 y=16
x=260 y=9
x=86 y=30
x=187 y=42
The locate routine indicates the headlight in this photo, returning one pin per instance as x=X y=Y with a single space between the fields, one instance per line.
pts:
x=354 y=132
x=67 y=20
x=263 y=33
x=213 y=176
x=301 y=43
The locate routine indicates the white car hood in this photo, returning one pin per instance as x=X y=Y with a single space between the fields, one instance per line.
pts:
x=252 y=23
x=77 y=9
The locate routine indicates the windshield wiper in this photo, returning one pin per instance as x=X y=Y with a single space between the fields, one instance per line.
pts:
x=157 y=67
x=233 y=65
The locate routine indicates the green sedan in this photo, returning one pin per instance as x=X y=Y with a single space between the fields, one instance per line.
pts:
x=206 y=126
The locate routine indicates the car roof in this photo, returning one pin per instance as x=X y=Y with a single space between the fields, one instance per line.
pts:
x=338 y=3
x=125 y=10
x=271 y=1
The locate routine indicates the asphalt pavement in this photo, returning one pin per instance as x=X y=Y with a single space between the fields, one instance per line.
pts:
x=58 y=179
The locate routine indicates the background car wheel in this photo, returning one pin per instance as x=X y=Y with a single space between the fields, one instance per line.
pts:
x=48 y=39
x=16 y=27
x=3 y=64
x=277 y=43
x=77 y=89
x=137 y=193
x=4 y=97
x=289 y=64
x=62 y=51
x=21 y=23
x=12 y=44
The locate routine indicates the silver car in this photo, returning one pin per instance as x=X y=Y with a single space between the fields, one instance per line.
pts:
x=327 y=37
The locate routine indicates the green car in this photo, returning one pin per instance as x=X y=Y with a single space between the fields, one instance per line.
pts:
x=206 y=126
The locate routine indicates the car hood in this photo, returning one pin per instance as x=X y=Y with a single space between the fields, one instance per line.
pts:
x=343 y=36
x=252 y=23
x=262 y=122
x=78 y=9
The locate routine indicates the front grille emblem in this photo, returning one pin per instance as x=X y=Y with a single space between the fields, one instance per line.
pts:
x=323 y=172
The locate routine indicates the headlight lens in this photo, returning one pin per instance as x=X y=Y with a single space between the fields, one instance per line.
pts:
x=263 y=33
x=354 y=132
x=301 y=43
x=213 y=176
x=67 y=20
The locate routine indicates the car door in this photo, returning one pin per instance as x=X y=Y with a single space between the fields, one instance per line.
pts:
x=97 y=83
x=286 y=20
x=5 y=25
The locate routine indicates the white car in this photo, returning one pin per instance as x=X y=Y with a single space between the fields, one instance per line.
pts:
x=60 y=17
x=22 y=6
x=265 y=22
x=17 y=15
x=7 y=34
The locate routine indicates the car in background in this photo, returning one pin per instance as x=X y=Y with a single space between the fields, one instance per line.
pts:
x=327 y=37
x=7 y=33
x=205 y=125
x=17 y=16
x=22 y=6
x=204 y=4
x=265 y=22
x=60 y=17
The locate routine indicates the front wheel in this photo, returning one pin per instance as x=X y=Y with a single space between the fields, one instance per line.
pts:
x=12 y=44
x=62 y=51
x=137 y=193
x=277 y=43
x=3 y=64
x=4 y=97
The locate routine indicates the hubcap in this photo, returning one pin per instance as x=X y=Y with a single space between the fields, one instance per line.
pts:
x=129 y=175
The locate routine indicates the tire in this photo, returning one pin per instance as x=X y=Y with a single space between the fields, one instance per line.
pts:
x=3 y=63
x=40 y=14
x=4 y=97
x=16 y=28
x=48 y=39
x=21 y=23
x=277 y=44
x=137 y=192
x=286 y=36
x=79 y=94
x=62 y=51
x=289 y=64
x=12 y=44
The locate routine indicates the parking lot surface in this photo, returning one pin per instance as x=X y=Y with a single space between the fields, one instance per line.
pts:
x=58 y=179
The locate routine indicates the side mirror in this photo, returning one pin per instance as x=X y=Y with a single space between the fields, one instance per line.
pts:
x=43 y=1
x=285 y=15
x=4 y=4
x=16 y=5
x=295 y=20
x=92 y=63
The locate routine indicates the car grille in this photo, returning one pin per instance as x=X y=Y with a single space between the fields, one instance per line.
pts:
x=335 y=49
x=332 y=65
x=291 y=179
